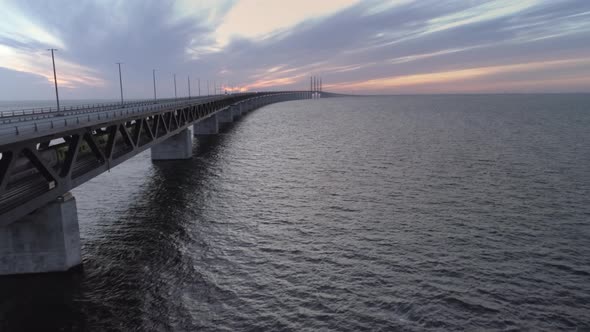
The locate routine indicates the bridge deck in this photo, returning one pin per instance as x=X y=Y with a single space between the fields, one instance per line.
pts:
x=43 y=155
x=17 y=126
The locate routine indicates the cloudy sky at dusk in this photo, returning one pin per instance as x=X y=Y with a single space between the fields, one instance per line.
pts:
x=357 y=46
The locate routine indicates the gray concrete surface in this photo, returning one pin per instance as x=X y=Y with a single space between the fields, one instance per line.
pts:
x=47 y=240
x=208 y=126
x=179 y=146
x=225 y=116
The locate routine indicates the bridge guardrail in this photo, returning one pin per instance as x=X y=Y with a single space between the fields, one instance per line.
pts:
x=170 y=102
x=22 y=114
x=45 y=110
x=94 y=115
x=89 y=117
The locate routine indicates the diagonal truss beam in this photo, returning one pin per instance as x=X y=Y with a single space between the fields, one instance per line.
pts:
x=89 y=151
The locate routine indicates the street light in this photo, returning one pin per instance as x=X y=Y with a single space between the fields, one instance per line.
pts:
x=120 y=82
x=189 y=87
x=174 y=86
x=199 y=86
x=54 y=76
x=154 y=75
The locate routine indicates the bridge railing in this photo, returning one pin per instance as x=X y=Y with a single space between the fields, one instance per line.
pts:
x=81 y=117
x=90 y=116
x=20 y=113
x=43 y=110
x=10 y=115
x=37 y=114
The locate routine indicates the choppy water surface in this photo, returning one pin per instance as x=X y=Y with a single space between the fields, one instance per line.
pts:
x=414 y=213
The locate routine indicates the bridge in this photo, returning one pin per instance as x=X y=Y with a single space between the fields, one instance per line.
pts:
x=44 y=153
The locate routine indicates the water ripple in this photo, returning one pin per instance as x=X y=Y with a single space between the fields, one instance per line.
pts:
x=407 y=213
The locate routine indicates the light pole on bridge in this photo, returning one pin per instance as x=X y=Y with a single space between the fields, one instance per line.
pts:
x=189 y=87
x=174 y=86
x=199 y=80
x=154 y=75
x=54 y=76
x=120 y=82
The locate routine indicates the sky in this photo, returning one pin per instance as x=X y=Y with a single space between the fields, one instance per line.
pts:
x=356 y=46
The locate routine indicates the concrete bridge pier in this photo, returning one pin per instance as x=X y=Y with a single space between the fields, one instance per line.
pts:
x=236 y=112
x=226 y=116
x=208 y=126
x=246 y=107
x=179 y=146
x=46 y=240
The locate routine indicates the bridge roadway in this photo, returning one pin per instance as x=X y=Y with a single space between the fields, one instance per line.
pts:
x=44 y=153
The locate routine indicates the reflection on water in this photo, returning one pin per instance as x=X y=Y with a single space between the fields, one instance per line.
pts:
x=130 y=262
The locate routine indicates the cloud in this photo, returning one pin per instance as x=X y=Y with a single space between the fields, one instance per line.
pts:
x=353 y=46
x=71 y=74
x=271 y=44
x=259 y=18
x=17 y=28
x=464 y=75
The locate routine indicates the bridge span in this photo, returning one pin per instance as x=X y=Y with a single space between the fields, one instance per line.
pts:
x=44 y=153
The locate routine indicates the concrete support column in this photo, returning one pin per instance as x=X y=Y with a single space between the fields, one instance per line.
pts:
x=235 y=109
x=179 y=146
x=208 y=126
x=225 y=116
x=47 y=240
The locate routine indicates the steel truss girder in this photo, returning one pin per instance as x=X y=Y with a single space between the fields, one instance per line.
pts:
x=125 y=138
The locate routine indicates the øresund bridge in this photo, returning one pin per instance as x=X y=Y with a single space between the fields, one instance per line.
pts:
x=44 y=153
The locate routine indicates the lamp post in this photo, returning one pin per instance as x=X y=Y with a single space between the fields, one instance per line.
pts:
x=199 y=86
x=154 y=75
x=120 y=82
x=189 y=87
x=54 y=76
x=174 y=86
